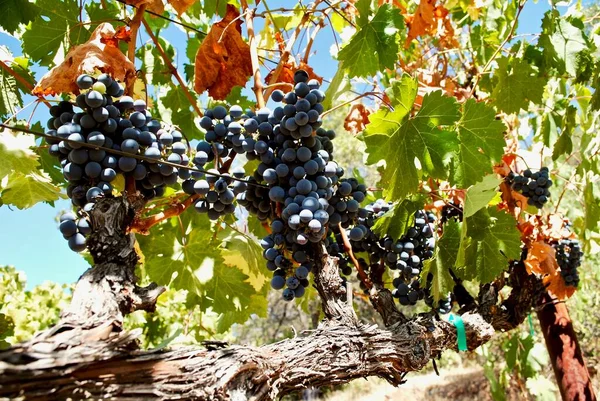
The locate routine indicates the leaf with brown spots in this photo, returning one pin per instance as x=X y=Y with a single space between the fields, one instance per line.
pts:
x=223 y=59
x=123 y=33
x=357 y=118
x=86 y=58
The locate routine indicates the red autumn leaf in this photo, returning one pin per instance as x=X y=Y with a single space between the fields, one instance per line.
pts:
x=541 y=259
x=223 y=59
x=357 y=118
x=87 y=58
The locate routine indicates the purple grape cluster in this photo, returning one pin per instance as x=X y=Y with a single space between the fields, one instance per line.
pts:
x=568 y=257
x=535 y=186
x=104 y=118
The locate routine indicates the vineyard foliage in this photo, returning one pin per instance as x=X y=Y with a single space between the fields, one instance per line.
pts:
x=449 y=103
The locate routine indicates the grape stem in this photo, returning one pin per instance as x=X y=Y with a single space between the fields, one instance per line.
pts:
x=143 y=226
x=258 y=85
x=135 y=26
x=173 y=70
x=361 y=273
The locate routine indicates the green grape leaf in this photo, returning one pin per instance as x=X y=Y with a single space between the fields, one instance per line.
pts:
x=48 y=31
x=338 y=86
x=400 y=141
x=479 y=195
x=16 y=155
x=396 y=221
x=184 y=261
x=245 y=253
x=257 y=305
x=102 y=11
x=175 y=108
x=16 y=12
x=592 y=206
x=374 y=46
x=24 y=191
x=482 y=142
x=153 y=65
x=236 y=97
x=10 y=98
x=444 y=258
x=228 y=287
x=564 y=144
x=517 y=84
x=562 y=42
x=489 y=240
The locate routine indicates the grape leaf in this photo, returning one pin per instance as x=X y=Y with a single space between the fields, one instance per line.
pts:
x=562 y=42
x=175 y=108
x=16 y=154
x=445 y=257
x=564 y=144
x=245 y=253
x=257 y=305
x=10 y=98
x=479 y=195
x=223 y=59
x=95 y=54
x=47 y=32
x=339 y=85
x=396 y=221
x=592 y=205
x=489 y=241
x=16 y=12
x=481 y=142
x=399 y=140
x=374 y=46
x=167 y=251
x=517 y=84
x=24 y=191
x=153 y=65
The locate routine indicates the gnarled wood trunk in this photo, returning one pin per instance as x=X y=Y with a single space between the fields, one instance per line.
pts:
x=87 y=355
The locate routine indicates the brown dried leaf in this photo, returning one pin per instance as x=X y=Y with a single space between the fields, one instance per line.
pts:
x=223 y=59
x=181 y=6
x=286 y=77
x=425 y=22
x=357 y=118
x=86 y=58
x=541 y=259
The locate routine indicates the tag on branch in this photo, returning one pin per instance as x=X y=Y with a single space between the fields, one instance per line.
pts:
x=223 y=59
x=99 y=53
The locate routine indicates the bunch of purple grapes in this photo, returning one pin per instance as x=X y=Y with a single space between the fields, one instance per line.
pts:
x=535 y=186
x=568 y=257
x=102 y=118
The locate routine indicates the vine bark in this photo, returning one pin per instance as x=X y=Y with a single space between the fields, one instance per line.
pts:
x=87 y=355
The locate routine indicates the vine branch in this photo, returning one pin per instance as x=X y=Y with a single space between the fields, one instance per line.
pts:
x=143 y=226
x=258 y=85
x=135 y=26
x=173 y=70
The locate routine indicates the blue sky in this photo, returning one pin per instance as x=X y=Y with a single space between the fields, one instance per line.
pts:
x=30 y=240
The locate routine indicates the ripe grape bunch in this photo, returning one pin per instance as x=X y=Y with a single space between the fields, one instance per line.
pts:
x=535 y=186
x=568 y=257
x=107 y=119
x=405 y=255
